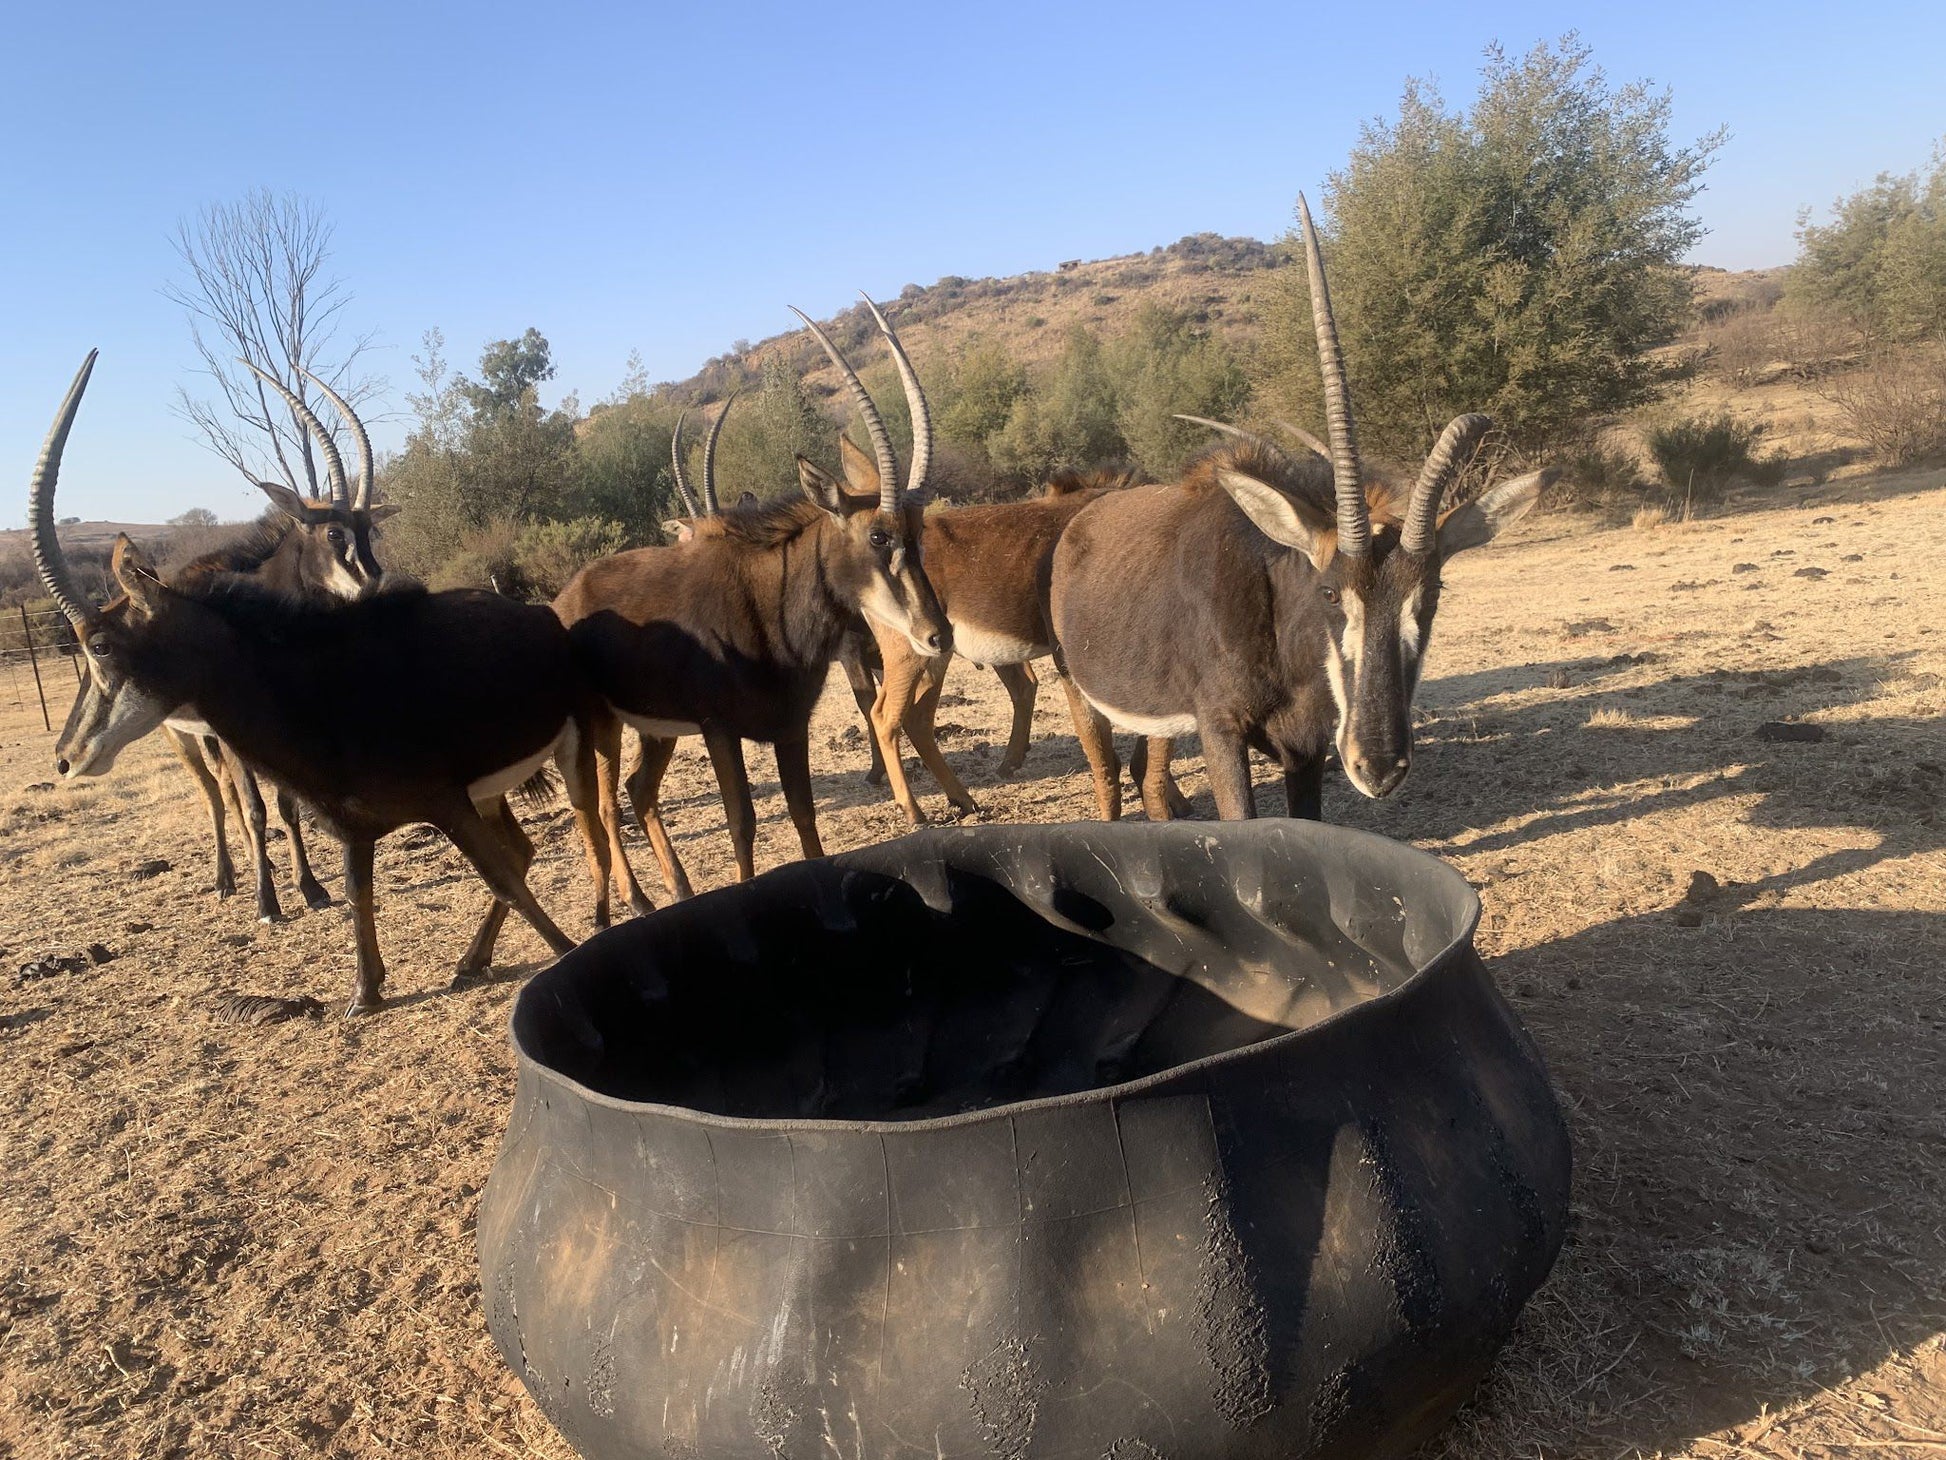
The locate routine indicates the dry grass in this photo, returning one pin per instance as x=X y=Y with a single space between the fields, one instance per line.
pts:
x=219 y=1239
x=1647 y=519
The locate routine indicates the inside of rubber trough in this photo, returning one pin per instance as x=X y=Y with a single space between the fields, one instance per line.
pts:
x=828 y=993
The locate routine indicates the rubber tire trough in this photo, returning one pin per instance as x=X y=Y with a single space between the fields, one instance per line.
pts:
x=1124 y=1141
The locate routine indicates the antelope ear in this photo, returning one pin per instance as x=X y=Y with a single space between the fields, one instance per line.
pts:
x=286 y=501
x=1472 y=523
x=382 y=511
x=1277 y=517
x=861 y=470
x=821 y=487
x=137 y=576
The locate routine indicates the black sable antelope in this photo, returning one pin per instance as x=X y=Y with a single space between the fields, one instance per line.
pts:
x=731 y=634
x=402 y=707
x=1266 y=603
x=313 y=549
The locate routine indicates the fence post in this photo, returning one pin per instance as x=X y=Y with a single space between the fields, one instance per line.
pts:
x=27 y=633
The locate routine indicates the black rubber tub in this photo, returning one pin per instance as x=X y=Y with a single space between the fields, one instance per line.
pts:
x=1089 y=1141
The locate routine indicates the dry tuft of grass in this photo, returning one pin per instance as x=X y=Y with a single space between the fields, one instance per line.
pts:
x=1647 y=519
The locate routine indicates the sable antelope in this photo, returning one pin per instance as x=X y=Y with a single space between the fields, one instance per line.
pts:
x=475 y=694
x=731 y=634
x=988 y=565
x=1266 y=603
x=314 y=549
x=856 y=654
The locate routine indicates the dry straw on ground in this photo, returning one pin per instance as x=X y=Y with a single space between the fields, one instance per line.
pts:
x=224 y=1239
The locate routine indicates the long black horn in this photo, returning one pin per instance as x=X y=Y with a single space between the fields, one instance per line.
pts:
x=56 y=577
x=1456 y=444
x=334 y=464
x=675 y=461
x=367 y=470
x=888 y=464
x=1354 y=520
x=915 y=398
x=709 y=456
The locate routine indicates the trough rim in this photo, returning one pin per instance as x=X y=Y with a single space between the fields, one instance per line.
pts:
x=1439 y=963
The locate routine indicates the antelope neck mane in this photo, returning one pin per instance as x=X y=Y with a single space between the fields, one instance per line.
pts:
x=770 y=524
x=1072 y=479
x=245 y=553
x=1306 y=481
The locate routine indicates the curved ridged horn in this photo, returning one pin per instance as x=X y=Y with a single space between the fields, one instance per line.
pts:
x=915 y=398
x=334 y=464
x=1304 y=438
x=1263 y=443
x=56 y=577
x=675 y=460
x=888 y=465
x=1354 y=520
x=709 y=456
x=367 y=470
x=1456 y=444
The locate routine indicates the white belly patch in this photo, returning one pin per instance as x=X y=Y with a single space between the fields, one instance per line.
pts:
x=659 y=729
x=188 y=725
x=1169 y=725
x=978 y=645
x=501 y=782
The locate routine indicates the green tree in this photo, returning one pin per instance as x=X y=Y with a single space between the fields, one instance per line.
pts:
x=1522 y=258
x=621 y=466
x=1070 y=418
x=511 y=372
x=1168 y=364
x=1880 y=263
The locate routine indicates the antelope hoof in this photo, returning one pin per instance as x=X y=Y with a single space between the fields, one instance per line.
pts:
x=468 y=974
x=642 y=907
x=314 y=895
x=602 y=917
x=271 y=917
x=363 y=1004
x=875 y=776
x=1009 y=766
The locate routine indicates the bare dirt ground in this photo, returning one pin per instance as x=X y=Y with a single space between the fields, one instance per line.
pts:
x=225 y=1240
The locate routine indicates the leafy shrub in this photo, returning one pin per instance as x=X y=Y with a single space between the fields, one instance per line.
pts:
x=1597 y=475
x=1699 y=455
x=1897 y=407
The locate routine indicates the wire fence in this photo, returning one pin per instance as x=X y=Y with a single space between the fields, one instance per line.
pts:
x=37 y=654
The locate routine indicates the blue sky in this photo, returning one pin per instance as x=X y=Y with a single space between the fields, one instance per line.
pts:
x=640 y=177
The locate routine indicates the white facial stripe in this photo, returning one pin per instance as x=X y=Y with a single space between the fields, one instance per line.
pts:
x=879 y=603
x=1409 y=625
x=1353 y=638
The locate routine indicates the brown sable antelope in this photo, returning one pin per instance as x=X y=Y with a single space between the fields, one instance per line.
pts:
x=731 y=634
x=316 y=549
x=857 y=655
x=475 y=694
x=988 y=565
x=1266 y=603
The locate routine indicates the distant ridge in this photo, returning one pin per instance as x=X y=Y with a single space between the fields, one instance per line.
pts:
x=1221 y=282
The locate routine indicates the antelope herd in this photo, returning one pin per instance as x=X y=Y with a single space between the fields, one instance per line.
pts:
x=1261 y=601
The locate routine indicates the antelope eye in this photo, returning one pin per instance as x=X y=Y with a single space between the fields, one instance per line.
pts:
x=100 y=648
x=881 y=538
x=337 y=536
x=1331 y=595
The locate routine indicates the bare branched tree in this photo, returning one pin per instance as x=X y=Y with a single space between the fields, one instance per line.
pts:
x=254 y=287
